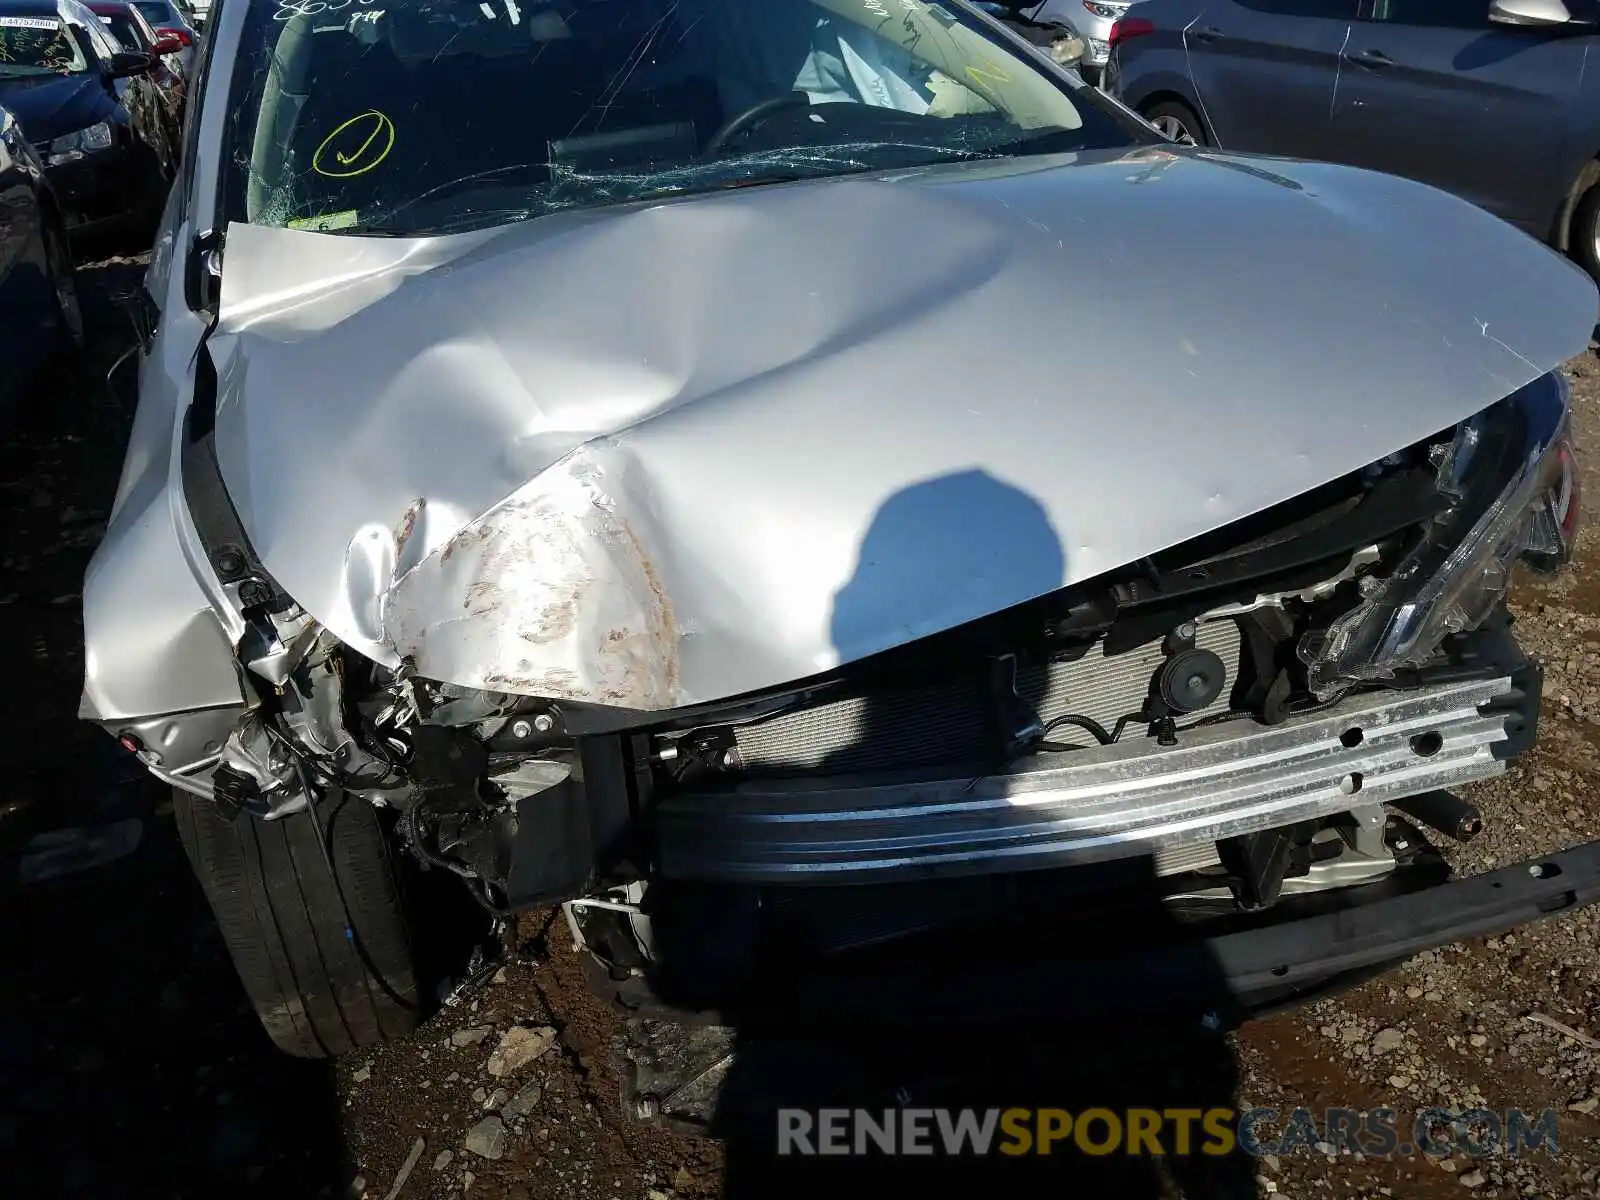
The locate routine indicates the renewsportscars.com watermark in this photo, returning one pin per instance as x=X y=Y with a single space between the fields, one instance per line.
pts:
x=969 y=1132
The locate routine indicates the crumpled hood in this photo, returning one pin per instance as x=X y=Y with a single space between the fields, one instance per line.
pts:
x=664 y=454
x=47 y=108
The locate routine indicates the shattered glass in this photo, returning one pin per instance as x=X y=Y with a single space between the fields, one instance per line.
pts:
x=426 y=116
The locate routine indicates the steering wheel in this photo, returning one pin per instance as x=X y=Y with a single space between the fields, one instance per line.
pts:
x=750 y=118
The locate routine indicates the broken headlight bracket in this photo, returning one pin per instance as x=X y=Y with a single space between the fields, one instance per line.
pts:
x=1511 y=486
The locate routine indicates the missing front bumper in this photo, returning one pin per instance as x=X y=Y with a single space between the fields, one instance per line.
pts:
x=1131 y=800
x=1079 y=1012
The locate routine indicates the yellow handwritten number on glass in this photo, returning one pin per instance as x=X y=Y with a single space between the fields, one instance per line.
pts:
x=343 y=164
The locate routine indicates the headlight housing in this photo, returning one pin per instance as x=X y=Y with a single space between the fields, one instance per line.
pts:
x=1067 y=45
x=75 y=145
x=1109 y=12
x=1510 y=484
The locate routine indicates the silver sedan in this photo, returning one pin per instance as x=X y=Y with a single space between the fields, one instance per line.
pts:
x=660 y=456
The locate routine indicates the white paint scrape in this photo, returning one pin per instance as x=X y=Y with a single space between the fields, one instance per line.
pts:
x=550 y=593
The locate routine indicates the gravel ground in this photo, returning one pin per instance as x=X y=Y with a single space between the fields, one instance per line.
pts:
x=133 y=1066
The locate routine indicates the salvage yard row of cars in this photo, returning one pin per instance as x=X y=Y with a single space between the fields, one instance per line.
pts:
x=576 y=459
x=91 y=112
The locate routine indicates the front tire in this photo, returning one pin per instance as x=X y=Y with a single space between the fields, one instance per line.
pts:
x=1583 y=232
x=63 y=285
x=1177 y=121
x=325 y=957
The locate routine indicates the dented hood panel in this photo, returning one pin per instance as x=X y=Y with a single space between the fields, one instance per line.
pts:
x=664 y=454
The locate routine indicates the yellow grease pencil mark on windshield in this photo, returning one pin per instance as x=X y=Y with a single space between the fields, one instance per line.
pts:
x=358 y=157
x=985 y=74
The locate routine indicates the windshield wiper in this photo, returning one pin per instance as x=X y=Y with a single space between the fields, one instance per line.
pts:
x=482 y=218
x=1049 y=141
x=721 y=185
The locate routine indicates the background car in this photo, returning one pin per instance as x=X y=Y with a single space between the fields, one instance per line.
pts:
x=1075 y=36
x=38 y=296
x=1093 y=19
x=167 y=18
x=1059 y=39
x=1488 y=100
x=128 y=25
x=91 y=110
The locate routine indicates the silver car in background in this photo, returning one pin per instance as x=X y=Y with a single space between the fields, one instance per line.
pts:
x=1088 y=20
x=601 y=455
x=1093 y=19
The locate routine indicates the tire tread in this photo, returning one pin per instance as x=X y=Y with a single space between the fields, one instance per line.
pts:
x=323 y=981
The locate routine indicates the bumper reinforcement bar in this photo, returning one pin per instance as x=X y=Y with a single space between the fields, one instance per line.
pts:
x=1127 y=800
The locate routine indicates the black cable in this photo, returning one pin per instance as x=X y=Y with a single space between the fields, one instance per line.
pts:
x=1215 y=719
x=1319 y=705
x=351 y=933
x=1122 y=723
x=1088 y=724
x=414 y=839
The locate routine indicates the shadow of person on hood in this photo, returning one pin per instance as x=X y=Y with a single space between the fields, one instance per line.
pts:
x=948 y=989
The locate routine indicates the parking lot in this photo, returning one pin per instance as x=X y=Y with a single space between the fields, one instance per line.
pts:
x=132 y=1065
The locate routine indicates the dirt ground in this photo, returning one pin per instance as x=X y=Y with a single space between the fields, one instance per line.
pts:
x=132 y=1066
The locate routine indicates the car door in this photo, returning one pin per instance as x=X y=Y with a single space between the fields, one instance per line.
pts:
x=166 y=84
x=24 y=291
x=17 y=217
x=1264 y=71
x=137 y=94
x=1433 y=90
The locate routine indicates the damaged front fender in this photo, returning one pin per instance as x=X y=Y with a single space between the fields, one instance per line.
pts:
x=550 y=593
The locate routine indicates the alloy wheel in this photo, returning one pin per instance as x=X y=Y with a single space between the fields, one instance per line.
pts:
x=1173 y=127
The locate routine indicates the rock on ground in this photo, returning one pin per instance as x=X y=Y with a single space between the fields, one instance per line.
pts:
x=486 y=1139
x=518 y=1047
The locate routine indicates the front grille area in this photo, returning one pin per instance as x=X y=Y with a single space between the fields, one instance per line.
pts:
x=947 y=724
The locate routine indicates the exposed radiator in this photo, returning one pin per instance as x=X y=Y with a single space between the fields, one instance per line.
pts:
x=947 y=723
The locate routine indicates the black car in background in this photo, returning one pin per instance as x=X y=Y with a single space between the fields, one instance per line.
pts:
x=128 y=25
x=91 y=110
x=38 y=298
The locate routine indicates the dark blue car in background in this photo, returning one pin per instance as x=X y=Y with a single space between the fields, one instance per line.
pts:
x=91 y=110
x=1490 y=99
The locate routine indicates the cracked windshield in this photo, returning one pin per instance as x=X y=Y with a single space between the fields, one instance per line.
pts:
x=37 y=46
x=427 y=117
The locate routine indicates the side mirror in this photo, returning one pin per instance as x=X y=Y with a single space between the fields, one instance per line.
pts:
x=130 y=62
x=1529 y=12
x=165 y=45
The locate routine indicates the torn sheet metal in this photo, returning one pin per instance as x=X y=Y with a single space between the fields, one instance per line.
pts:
x=659 y=454
x=557 y=597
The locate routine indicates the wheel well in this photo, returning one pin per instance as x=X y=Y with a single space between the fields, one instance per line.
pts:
x=1171 y=97
x=1588 y=177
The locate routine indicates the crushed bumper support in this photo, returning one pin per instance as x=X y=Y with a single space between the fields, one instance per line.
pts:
x=1228 y=978
x=699 y=1077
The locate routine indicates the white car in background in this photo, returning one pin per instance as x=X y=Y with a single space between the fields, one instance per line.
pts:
x=1091 y=18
